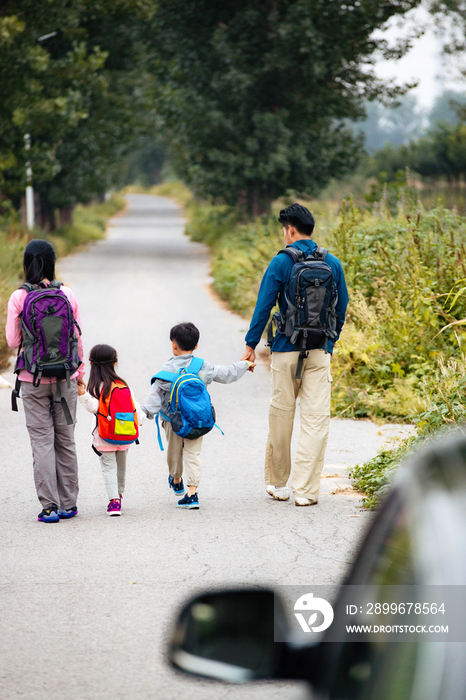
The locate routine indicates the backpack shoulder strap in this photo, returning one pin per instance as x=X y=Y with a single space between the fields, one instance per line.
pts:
x=119 y=385
x=164 y=376
x=29 y=287
x=104 y=403
x=195 y=365
x=54 y=284
x=319 y=252
x=294 y=253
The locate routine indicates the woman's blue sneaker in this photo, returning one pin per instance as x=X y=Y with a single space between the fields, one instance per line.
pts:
x=191 y=502
x=70 y=513
x=49 y=515
x=177 y=488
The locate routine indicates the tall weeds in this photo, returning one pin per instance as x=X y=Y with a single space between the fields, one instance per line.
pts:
x=441 y=407
x=399 y=269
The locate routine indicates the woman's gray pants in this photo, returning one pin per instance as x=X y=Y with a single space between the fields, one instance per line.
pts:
x=52 y=441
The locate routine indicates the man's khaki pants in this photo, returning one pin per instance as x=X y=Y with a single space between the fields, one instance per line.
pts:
x=183 y=456
x=313 y=390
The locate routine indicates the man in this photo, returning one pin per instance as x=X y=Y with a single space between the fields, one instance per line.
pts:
x=313 y=386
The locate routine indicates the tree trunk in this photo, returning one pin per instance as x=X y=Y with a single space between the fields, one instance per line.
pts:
x=23 y=210
x=37 y=209
x=47 y=220
x=66 y=216
x=258 y=201
x=157 y=176
x=242 y=203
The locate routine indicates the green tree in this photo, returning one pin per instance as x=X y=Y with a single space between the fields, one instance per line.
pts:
x=71 y=78
x=253 y=94
x=442 y=152
x=445 y=107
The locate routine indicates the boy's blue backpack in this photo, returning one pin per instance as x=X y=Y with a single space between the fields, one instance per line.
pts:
x=190 y=410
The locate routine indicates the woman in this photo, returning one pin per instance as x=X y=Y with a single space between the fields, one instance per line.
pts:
x=49 y=404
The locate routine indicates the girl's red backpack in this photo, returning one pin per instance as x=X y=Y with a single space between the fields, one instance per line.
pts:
x=117 y=418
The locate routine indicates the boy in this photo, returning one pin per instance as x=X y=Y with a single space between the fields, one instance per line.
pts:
x=183 y=453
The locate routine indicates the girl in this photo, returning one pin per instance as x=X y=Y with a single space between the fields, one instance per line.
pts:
x=103 y=359
x=50 y=427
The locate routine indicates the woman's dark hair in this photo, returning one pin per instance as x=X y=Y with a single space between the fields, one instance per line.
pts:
x=298 y=216
x=103 y=358
x=39 y=261
x=185 y=335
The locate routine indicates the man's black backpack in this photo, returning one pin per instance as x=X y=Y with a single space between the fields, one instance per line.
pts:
x=311 y=296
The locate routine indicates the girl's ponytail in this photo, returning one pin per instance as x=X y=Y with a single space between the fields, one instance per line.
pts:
x=39 y=261
x=103 y=359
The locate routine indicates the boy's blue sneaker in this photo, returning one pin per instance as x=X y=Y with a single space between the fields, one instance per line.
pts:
x=49 y=515
x=191 y=502
x=70 y=513
x=177 y=488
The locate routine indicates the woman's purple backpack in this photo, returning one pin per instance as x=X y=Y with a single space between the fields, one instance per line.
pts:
x=50 y=345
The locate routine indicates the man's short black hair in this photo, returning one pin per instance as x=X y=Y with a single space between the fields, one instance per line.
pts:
x=299 y=217
x=185 y=335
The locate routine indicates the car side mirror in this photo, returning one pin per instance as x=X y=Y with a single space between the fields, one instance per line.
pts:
x=228 y=635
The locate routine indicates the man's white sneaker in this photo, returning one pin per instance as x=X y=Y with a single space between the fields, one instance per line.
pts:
x=280 y=493
x=304 y=502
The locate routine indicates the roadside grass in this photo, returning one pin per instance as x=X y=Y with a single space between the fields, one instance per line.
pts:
x=441 y=409
x=89 y=225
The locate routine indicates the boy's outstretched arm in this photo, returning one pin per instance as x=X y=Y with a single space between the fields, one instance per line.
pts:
x=225 y=374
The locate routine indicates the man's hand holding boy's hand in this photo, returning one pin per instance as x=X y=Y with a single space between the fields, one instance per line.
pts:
x=249 y=355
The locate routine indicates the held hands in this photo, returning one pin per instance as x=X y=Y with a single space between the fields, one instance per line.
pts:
x=250 y=357
x=81 y=387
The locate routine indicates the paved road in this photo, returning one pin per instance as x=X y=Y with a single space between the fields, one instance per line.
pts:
x=86 y=604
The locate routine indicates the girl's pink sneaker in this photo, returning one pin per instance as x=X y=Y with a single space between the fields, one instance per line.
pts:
x=114 y=507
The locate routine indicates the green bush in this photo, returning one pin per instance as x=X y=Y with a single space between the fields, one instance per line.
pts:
x=399 y=270
x=210 y=223
x=442 y=408
x=373 y=477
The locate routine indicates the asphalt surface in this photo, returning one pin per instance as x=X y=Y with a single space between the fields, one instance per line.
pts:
x=87 y=604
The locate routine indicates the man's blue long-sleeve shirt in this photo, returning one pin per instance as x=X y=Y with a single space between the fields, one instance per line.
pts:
x=272 y=287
